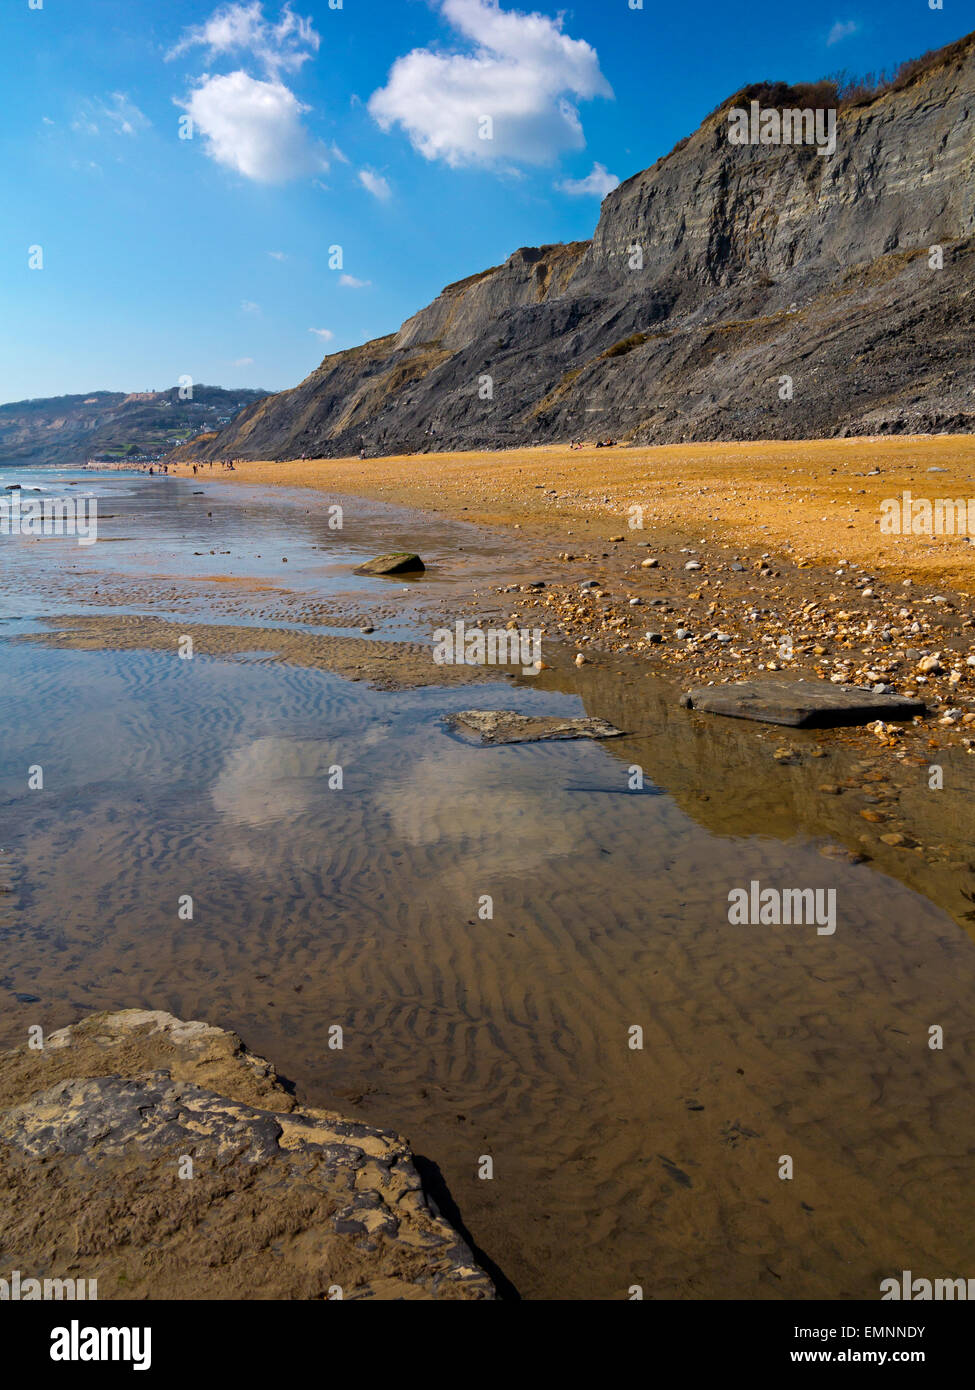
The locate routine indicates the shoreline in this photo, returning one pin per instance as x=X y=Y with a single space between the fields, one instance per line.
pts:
x=732 y=594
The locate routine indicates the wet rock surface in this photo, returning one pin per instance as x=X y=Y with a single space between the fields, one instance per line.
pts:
x=489 y=726
x=166 y=1161
x=800 y=703
x=403 y=562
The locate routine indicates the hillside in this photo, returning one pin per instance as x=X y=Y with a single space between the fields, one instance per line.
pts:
x=760 y=262
x=67 y=430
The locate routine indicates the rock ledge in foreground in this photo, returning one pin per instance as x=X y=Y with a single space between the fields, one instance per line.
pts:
x=801 y=704
x=488 y=726
x=283 y=1203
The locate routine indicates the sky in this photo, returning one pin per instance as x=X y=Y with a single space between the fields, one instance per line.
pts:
x=176 y=177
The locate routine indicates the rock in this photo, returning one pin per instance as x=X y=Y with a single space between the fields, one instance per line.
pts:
x=488 y=726
x=692 y=565
x=401 y=562
x=930 y=665
x=649 y=564
x=801 y=704
x=284 y=1202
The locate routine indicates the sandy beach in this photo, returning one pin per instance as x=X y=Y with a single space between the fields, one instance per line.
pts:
x=819 y=499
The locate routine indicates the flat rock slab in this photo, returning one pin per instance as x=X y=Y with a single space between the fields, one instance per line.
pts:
x=164 y=1160
x=403 y=562
x=488 y=726
x=801 y=704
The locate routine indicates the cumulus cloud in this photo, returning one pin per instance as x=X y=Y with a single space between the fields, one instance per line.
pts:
x=508 y=98
x=325 y=334
x=842 y=29
x=254 y=127
x=595 y=185
x=376 y=184
x=250 y=124
x=351 y=283
x=236 y=29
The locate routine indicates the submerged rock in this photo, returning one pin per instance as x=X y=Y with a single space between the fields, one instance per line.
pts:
x=165 y=1160
x=504 y=726
x=801 y=704
x=402 y=562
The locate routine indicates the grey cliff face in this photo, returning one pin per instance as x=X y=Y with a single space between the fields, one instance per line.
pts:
x=758 y=262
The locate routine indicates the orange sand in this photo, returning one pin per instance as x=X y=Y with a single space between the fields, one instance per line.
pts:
x=810 y=494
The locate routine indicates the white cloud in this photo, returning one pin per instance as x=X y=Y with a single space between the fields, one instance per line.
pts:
x=324 y=333
x=254 y=128
x=244 y=362
x=376 y=184
x=596 y=184
x=254 y=125
x=842 y=29
x=521 y=71
x=351 y=283
x=249 y=307
x=241 y=28
x=278 y=255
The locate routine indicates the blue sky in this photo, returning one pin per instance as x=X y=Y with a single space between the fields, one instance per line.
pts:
x=314 y=125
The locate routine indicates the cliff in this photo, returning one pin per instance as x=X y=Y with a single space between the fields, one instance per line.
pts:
x=759 y=262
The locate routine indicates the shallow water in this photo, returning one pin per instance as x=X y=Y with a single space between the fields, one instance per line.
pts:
x=506 y=1036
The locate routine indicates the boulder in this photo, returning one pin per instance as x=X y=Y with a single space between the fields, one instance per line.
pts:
x=402 y=562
